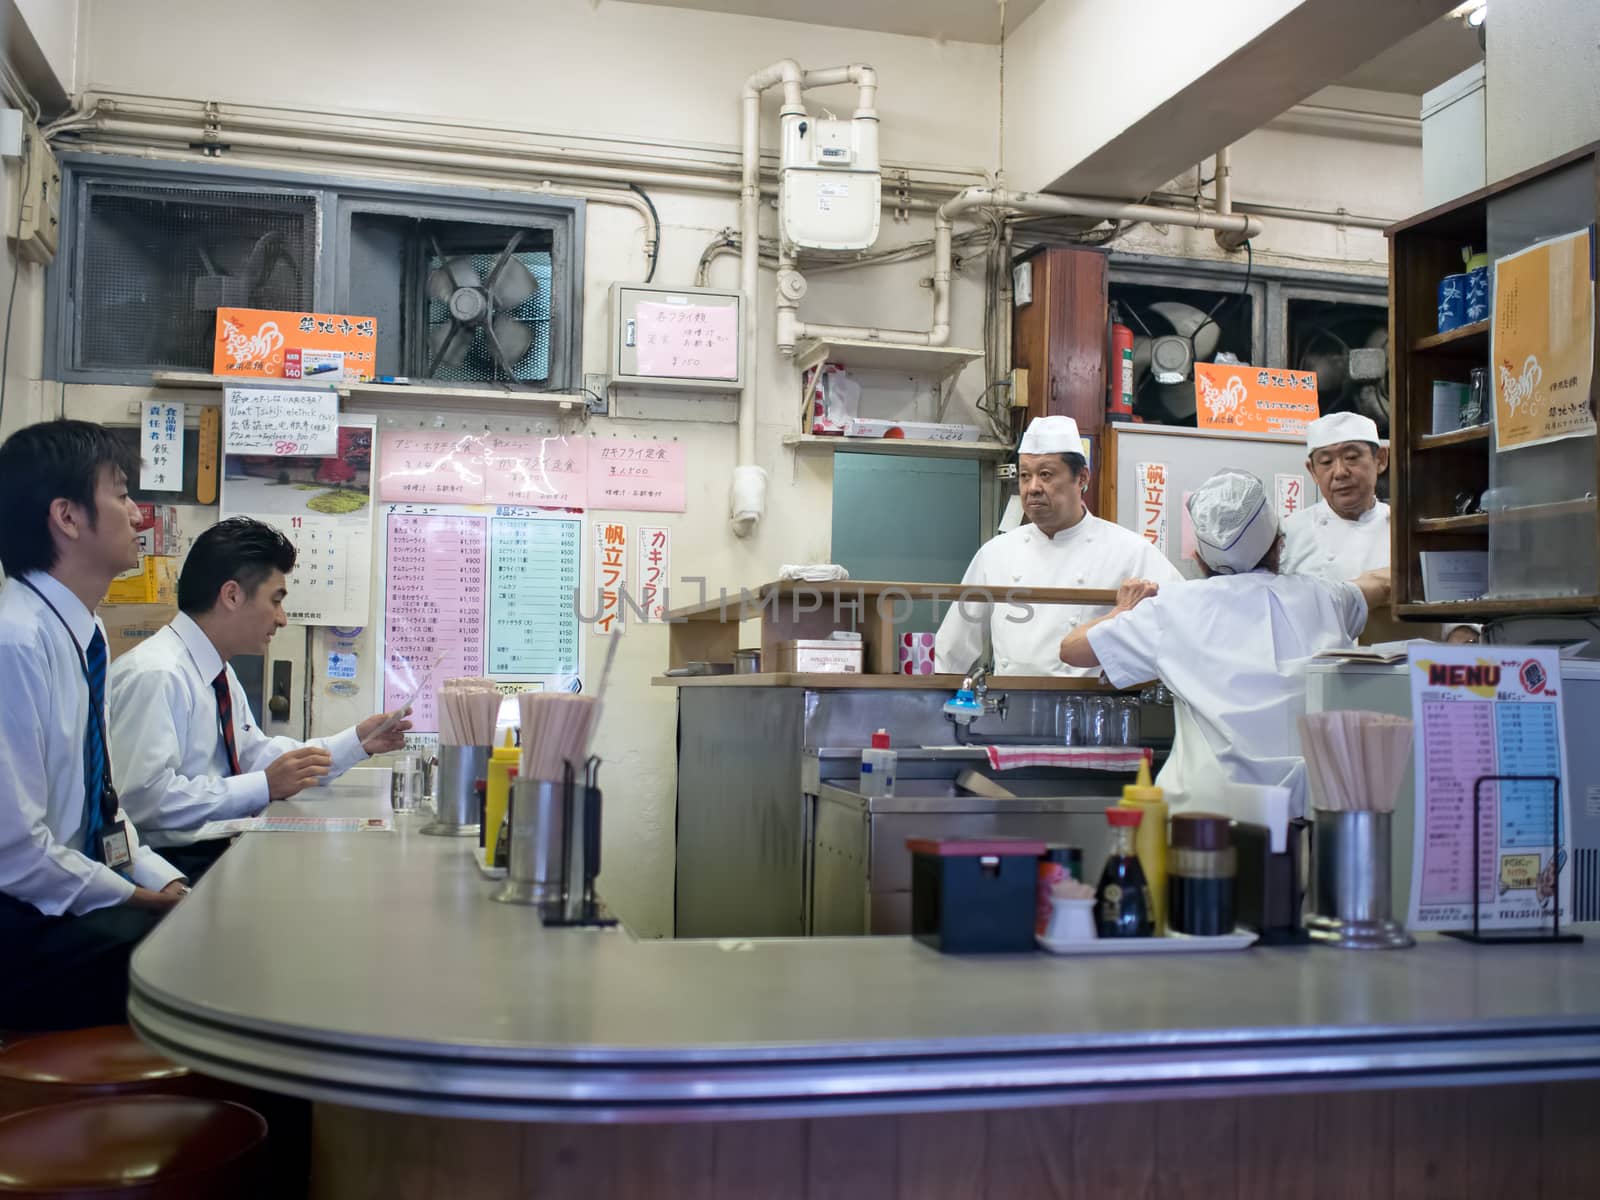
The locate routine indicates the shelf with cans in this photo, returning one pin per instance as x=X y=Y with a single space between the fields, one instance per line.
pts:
x=1514 y=528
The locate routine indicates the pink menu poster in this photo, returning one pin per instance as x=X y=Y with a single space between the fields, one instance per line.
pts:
x=430 y=467
x=632 y=476
x=434 y=603
x=688 y=341
x=538 y=472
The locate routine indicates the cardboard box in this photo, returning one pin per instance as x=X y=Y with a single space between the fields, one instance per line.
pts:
x=818 y=656
x=153 y=581
x=129 y=624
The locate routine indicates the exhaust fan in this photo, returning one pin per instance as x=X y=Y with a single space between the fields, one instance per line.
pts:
x=1168 y=357
x=474 y=313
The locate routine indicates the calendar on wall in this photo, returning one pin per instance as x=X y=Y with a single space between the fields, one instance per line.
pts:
x=324 y=506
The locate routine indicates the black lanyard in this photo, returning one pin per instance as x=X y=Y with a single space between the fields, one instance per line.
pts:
x=108 y=794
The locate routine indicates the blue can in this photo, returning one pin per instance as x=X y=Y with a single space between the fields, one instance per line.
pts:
x=1452 y=302
x=1477 y=294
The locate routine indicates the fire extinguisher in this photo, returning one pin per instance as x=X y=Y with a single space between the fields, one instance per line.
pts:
x=1119 y=378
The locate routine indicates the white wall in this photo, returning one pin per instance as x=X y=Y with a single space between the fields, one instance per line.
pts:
x=633 y=72
x=54 y=25
x=23 y=365
x=1542 y=82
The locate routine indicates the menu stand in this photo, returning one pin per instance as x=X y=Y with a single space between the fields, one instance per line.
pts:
x=1511 y=937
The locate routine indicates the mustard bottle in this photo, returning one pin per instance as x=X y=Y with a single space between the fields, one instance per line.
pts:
x=1150 y=843
x=502 y=760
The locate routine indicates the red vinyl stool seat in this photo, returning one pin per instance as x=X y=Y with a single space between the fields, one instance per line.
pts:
x=49 y=1068
x=132 y=1148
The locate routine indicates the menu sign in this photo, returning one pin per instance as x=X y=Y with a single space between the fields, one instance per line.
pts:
x=1485 y=711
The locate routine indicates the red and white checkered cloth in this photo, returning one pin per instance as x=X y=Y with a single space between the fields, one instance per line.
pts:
x=1094 y=758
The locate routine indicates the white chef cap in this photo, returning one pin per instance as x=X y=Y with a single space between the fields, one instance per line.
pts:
x=1338 y=428
x=1234 y=527
x=1052 y=435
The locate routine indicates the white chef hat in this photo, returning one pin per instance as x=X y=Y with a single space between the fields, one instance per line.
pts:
x=1234 y=527
x=1052 y=435
x=1338 y=428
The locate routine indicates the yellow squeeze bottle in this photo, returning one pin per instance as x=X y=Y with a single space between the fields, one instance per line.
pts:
x=1150 y=843
x=502 y=760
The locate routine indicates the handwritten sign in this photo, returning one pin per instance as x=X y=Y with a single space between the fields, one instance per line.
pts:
x=252 y=341
x=687 y=341
x=434 y=604
x=546 y=472
x=1542 y=355
x=1291 y=491
x=161 y=446
x=432 y=467
x=280 y=423
x=1488 y=710
x=610 y=576
x=637 y=476
x=534 y=561
x=1152 y=484
x=655 y=570
x=1255 y=399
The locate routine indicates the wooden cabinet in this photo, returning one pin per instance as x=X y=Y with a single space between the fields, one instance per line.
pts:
x=1060 y=337
x=1532 y=509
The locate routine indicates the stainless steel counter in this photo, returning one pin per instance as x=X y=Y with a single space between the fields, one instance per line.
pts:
x=373 y=970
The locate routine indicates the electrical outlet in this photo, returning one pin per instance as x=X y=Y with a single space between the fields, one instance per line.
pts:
x=10 y=133
x=596 y=388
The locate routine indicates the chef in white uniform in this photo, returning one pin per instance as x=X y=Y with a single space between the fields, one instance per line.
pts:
x=1346 y=532
x=1232 y=648
x=1062 y=546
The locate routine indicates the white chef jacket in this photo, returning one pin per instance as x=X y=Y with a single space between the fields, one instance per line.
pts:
x=1092 y=554
x=1233 y=650
x=44 y=716
x=1318 y=541
x=173 y=764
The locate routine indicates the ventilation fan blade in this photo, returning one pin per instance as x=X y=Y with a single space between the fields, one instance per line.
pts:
x=448 y=345
x=513 y=338
x=440 y=289
x=1176 y=400
x=1189 y=321
x=1141 y=359
x=513 y=286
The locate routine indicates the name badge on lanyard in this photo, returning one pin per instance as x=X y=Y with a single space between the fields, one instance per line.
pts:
x=114 y=850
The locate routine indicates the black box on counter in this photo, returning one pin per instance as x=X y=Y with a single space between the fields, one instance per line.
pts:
x=974 y=896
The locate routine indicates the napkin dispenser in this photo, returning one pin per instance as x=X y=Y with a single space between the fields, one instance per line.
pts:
x=1270 y=886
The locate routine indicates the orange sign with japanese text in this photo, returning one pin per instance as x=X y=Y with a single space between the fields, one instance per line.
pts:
x=1245 y=399
x=253 y=341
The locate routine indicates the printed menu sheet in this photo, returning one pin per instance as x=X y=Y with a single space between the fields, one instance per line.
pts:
x=1488 y=710
x=494 y=589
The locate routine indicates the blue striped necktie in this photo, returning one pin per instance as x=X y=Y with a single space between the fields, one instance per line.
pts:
x=96 y=766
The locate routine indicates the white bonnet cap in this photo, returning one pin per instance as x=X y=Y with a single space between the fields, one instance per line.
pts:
x=1234 y=526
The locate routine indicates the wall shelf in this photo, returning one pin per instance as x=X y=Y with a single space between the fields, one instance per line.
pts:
x=915 y=446
x=1457 y=437
x=1473 y=338
x=1466 y=524
x=938 y=362
x=1484 y=610
x=396 y=395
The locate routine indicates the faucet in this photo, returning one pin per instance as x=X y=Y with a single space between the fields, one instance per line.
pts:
x=973 y=700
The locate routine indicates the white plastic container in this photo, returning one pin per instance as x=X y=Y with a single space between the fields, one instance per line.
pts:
x=878 y=766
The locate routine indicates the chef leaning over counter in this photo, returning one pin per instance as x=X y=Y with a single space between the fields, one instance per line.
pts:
x=1233 y=647
x=1063 y=545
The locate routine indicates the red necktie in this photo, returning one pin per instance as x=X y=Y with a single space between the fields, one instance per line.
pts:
x=219 y=685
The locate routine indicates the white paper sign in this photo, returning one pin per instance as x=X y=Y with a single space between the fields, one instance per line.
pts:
x=281 y=422
x=1152 y=483
x=655 y=570
x=610 y=576
x=1484 y=711
x=1291 y=491
x=160 y=446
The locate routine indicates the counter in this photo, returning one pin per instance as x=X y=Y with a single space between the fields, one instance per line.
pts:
x=373 y=970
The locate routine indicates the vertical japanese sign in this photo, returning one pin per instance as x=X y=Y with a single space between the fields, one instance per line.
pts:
x=161 y=446
x=1542 y=354
x=610 y=575
x=655 y=570
x=1152 y=483
x=1291 y=491
x=1483 y=711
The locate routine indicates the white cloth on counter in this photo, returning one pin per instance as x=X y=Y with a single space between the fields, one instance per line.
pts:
x=1233 y=650
x=1094 y=553
x=1318 y=541
x=812 y=572
x=43 y=721
x=165 y=736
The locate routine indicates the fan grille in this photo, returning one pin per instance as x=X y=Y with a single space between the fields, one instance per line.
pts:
x=480 y=365
x=143 y=254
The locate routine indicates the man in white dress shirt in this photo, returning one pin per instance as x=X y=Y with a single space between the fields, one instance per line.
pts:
x=181 y=731
x=1062 y=546
x=78 y=891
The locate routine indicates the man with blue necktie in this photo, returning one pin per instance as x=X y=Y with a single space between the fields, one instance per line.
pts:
x=77 y=889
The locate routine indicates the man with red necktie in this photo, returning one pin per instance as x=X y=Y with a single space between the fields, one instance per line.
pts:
x=188 y=751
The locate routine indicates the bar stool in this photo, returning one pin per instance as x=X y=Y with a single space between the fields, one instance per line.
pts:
x=131 y=1148
x=49 y=1068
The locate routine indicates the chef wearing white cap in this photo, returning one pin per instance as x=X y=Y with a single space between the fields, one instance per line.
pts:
x=1062 y=546
x=1232 y=647
x=1347 y=531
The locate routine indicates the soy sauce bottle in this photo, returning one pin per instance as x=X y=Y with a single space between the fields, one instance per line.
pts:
x=1122 y=903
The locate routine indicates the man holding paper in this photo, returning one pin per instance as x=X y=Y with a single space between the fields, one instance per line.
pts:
x=187 y=749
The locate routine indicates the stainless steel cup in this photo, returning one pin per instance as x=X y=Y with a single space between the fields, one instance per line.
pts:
x=538 y=819
x=455 y=793
x=1351 y=882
